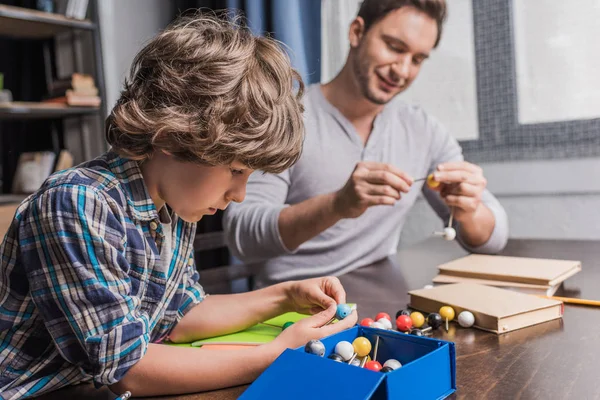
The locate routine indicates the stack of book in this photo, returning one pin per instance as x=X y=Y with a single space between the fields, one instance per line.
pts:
x=527 y=275
x=80 y=91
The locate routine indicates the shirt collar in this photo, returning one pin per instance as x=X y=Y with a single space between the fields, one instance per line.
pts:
x=128 y=172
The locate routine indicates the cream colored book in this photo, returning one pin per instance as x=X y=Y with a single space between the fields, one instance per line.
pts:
x=495 y=310
x=535 y=271
x=543 y=290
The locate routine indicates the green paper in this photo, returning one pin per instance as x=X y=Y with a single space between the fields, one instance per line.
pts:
x=287 y=317
x=257 y=334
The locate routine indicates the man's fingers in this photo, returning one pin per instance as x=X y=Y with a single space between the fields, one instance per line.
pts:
x=381 y=177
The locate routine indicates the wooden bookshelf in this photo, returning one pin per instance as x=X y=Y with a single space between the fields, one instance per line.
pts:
x=32 y=110
x=32 y=24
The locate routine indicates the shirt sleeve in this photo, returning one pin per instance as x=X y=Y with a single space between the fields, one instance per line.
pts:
x=193 y=292
x=446 y=148
x=72 y=243
x=252 y=227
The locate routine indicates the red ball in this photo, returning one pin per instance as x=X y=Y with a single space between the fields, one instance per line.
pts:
x=383 y=315
x=373 y=366
x=404 y=323
x=366 y=322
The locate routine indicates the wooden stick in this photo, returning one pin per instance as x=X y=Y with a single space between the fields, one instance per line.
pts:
x=573 y=300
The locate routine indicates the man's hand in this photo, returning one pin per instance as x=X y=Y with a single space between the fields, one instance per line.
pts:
x=462 y=185
x=370 y=184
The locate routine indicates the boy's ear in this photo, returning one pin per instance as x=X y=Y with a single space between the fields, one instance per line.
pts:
x=356 y=32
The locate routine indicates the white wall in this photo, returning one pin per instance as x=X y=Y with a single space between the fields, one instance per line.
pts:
x=126 y=25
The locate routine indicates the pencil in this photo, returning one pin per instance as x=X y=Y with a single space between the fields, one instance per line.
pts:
x=575 y=301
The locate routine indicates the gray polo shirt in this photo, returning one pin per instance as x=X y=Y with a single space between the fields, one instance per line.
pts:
x=402 y=135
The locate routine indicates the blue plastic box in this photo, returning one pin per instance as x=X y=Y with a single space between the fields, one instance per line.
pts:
x=428 y=371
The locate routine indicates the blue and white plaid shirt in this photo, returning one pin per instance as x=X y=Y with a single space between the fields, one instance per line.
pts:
x=83 y=290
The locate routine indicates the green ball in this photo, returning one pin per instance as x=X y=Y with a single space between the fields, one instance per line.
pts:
x=287 y=325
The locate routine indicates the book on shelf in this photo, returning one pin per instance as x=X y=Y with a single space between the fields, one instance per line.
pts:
x=78 y=91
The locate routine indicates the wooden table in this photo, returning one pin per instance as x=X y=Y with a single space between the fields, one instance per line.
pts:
x=553 y=360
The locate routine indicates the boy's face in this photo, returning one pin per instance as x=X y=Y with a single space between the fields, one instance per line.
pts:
x=193 y=191
x=388 y=57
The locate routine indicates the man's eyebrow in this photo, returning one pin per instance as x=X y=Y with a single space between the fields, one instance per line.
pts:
x=402 y=43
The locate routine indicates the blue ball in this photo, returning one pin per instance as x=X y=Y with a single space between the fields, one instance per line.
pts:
x=343 y=310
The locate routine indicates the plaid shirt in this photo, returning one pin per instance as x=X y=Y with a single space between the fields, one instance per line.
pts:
x=83 y=290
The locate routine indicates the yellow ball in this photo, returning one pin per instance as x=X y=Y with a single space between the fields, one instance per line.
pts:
x=362 y=346
x=417 y=319
x=432 y=183
x=447 y=312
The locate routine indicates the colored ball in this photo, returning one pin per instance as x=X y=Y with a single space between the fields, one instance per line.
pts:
x=431 y=182
x=287 y=325
x=373 y=366
x=344 y=349
x=404 y=323
x=377 y=325
x=417 y=319
x=434 y=320
x=335 y=357
x=366 y=322
x=386 y=369
x=466 y=319
x=362 y=346
x=387 y=324
x=383 y=315
x=343 y=310
x=315 y=347
x=449 y=233
x=447 y=313
x=402 y=312
x=416 y=332
x=392 y=363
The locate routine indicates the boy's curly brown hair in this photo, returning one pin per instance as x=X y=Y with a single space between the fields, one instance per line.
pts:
x=206 y=90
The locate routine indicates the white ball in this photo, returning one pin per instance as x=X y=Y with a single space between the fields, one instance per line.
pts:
x=355 y=362
x=377 y=325
x=344 y=349
x=392 y=363
x=387 y=324
x=449 y=233
x=428 y=287
x=466 y=319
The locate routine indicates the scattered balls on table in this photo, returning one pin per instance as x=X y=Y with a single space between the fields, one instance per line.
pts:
x=404 y=323
x=417 y=319
x=383 y=315
x=466 y=319
x=387 y=324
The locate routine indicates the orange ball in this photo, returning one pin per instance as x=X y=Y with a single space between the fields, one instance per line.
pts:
x=431 y=182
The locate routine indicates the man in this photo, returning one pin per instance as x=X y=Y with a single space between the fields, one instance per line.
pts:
x=344 y=203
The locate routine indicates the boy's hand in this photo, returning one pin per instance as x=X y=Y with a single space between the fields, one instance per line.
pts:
x=311 y=296
x=313 y=327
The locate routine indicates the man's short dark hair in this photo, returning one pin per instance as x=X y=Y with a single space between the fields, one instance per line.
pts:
x=372 y=11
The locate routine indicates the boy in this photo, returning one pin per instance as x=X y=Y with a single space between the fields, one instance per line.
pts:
x=97 y=266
